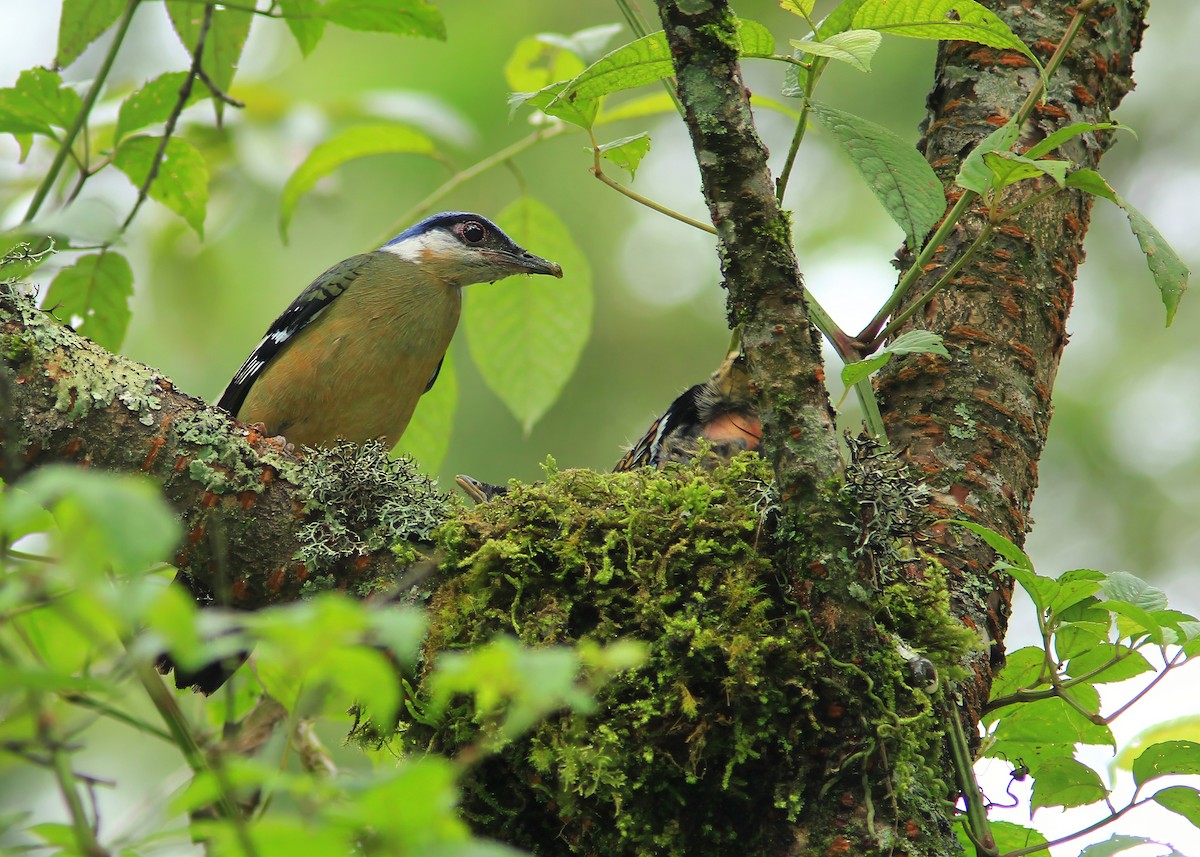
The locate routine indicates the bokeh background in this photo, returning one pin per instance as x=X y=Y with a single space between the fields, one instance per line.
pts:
x=1120 y=481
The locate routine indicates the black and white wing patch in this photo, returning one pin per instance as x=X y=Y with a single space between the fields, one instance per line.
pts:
x=303 y=311
x=682 y=418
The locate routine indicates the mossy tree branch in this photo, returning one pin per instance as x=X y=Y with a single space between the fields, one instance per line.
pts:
x=975 y=426
x=766 y=290
x=250 y=507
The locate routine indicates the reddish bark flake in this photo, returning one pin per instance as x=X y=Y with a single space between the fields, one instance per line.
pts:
x=839 y=845
x=276 y=580
x=1012 y=231
x=152 y=453
x=247 y=499
x=73 y=446
x=911 y=829
x=996 y=119
x=835 y=711
x=238 y=589
x=952 y=104
x=301 y=572
x=1052 y=110
x=1010 y=307
x=181 y=463
x=847 y=800
x=196 y=534
x=1045 y=46
x=208 y=499
x=960 y=493
x=1101 y=63
x=1083 y=96
x=795 y=432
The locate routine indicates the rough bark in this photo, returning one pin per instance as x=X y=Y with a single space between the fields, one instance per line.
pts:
x=245 y=525
x=973 y=427
x=766 y=290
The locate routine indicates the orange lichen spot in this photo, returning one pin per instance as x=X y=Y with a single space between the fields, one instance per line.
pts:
x=819 y=372
x=778 y=330
x=275 y=581
x=911 y=829
x=839 y=845
x=152 y=453
x=969 y=331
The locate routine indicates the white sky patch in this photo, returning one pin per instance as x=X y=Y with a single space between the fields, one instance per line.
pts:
x=1153 y=423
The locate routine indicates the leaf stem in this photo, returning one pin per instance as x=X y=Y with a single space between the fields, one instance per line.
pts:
x=85 y=109
x=1091 y=828
x=960 y=754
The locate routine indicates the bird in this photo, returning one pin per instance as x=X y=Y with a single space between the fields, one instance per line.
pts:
x=721 y=411
x=719 y=416
x=352 y=355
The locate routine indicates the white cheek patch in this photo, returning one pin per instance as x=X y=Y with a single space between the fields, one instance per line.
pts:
x=429 y=246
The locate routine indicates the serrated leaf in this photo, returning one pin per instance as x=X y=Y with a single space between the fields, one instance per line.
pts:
x=1022 y=728
x=95 y=289
x=1070 y=132
x=1130 y=664
x=1166 y=758
x=181 y=181
x=1133 y=622
x=154 y=102
x=803 y=8
x=999 y=544
x=1168 y=270
x=840 y=18
x=401 y=17
x=1181 y=800
x=852 y=373
x=537 y=62
x=1115 y=844
x=306 y=25
x=1066 y=782
x=627 y=152
x=1022 y=671
x=918 y=342
x=358 y=142
x=82 y=22
x=894 y=170
x=1092 y=182
x=856 y=48
x=1122 y=586
x=1080 y=627
x=756 y=40
x=963 y=20
x=588 y=44
x=553 y=101
x=1186 y=728
x=38 y=101
x=1007 y=836
x=223 y=42
x=526 y=334
x=427 y=437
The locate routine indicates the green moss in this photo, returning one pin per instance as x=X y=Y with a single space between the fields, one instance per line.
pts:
x=361 y=501
x=721 y=721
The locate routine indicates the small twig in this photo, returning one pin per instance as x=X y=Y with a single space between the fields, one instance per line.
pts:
x=1091 y=828
x=1170 y=665
x=85 y=109
x=216 y=91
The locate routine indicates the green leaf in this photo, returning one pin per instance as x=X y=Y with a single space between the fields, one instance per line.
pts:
x=840 y=18
x=963 y=20
x=303 y=19
x=1000 y=545
x=803 y=8
x=1182 y=800
x=106 y=521
x=1073 y=587
x=537 y=62
x=1131 y=664
x=95 y=289
x=1066 y=782
x=402 y=17
x=637 y=63
x=1133 y=622
x=1080 y=627
x=1115 y=844
x=1007 y=835
x=918 y=342
x=551 y=101
x=626 y=152
x=896 y=172
x=756 y=40
x=1122 y=586
x=1022 y=728
x=427 y=437
x=1070 y=132
x=974 y=174
x=1166 y=758
x=852 y=373
x=38 y=101
x=856 y=48
x=154 y=102
x=1022 y=670
x=351 y=144
x=1186 y=728
x=1168 y=270
x=181 y=181
x=83 y=21
x=1092 y=182
x=223 y=43
x=651 y=104
x=526 y=335
x=1008 y=168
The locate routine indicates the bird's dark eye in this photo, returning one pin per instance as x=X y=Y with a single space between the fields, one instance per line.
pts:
x=472 y=232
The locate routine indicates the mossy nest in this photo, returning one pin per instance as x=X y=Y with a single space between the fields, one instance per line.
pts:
x=684 y=752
